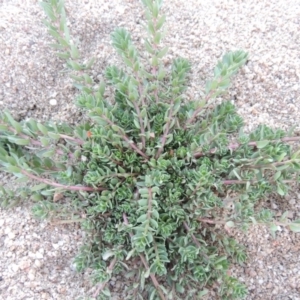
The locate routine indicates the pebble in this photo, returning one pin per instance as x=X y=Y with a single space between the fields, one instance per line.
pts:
x=31 y=274
x=53 y=102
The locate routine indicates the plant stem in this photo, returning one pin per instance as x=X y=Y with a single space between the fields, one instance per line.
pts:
x=196 y=112
x=103 y=284
x=141 y=124
x=38 y=143
x=166 y=132
x=78 y=141
x=153 y=278
x=67 y=221
x=209 y=221
x=234 y=146
x=126 y=138
x=233 y=181
x=137 y=108
x=67 y=187
x=196 y=242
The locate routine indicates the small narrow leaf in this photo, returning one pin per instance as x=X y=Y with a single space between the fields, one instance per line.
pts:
x=295 y=226
x=107 y=254
x=229 y=224
x=14 y=123
x=42 y=128
x=74 y=52
x=262 y=144
x=38 y=187
x=18 y=141
x=53 y=135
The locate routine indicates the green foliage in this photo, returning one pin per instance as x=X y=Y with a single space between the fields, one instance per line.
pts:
x=150 y=175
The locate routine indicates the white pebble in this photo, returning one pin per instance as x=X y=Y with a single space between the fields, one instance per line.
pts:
x=53 y=102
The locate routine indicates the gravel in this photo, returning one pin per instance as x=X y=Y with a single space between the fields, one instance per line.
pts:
x=36 y=257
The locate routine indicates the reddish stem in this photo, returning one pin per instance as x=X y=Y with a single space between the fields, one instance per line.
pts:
x=234 y=146
x=126 y=138
x=67 y=187
x=196 y=242
x=103 y=284
x=153 y=278
x=196 y=112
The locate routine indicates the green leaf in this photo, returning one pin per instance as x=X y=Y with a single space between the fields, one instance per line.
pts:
x=14 y=123
x=115 y=128
x=160 y=22
x=142 y=218
x=67 y=32
x=179 y=288
x=74 y=52
x=169 y=139
x=74 y=65
x=295 y=226
x=273 y=229
x=48 y=10
x=90 y=63
x=46 y=153
x=42 y=128
x=149 y=47
x=107 y=254
x=229 y=224
x=277 y=175
x=13 y=169
x=88 y=79
x=64 y=55
x=153 y=223
x=136 y=123
x=203 y=293
x=54 y=33
x=53 y=135
x=38 y=187
x=18 y=141
x=36 y=197
x=262 y=144
x=280 y=191
x=130 y=253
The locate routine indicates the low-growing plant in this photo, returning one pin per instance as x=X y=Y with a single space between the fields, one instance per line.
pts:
x=157 y=182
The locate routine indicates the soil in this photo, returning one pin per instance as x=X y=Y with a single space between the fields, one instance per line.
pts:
x=35 y=256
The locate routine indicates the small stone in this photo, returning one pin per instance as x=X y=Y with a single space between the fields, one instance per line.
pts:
x=31 y=274
x=73 y=267
x=45 y=296
x=14 y=267
x=112 y=283
x=24 y=264
x=120 y=9
x=37 y=263
x=260 y=281
x=55 y=246
x=39 y=255
x=53 y=102
x=12 y=235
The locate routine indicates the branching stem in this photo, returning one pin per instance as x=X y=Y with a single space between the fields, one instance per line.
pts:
x=196 y=242
x=144 y=261
x=103 y=284
x=166 y=132
x=126 y=138
x=66 y=187
x=234 y=146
